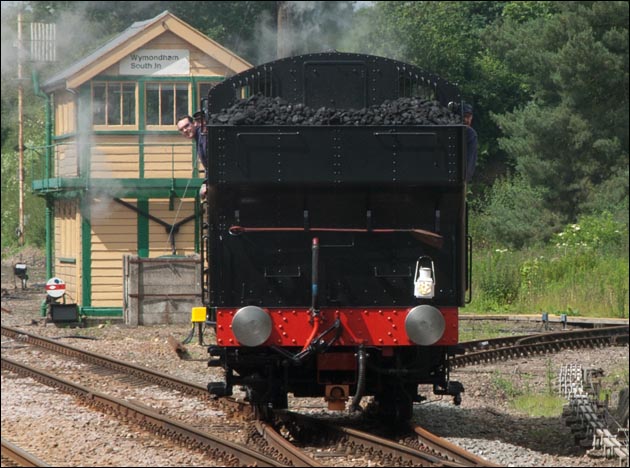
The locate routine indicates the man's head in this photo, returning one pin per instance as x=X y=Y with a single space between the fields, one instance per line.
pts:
x=468 y=114
x=186 y=127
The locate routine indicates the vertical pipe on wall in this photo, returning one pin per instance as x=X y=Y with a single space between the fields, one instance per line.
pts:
x=50 y=212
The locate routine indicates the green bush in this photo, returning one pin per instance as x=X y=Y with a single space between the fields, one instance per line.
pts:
x=512 y=215
x=610 y=196
x=599 y=231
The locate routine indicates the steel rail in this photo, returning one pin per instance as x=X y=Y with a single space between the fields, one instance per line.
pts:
x=110 y=363
x=289 y=451
x=396 y=454
x=515 y=347
x=230 y=404
x=19 y=456
x=447 y=449
x=148 y=419
x=394 y=450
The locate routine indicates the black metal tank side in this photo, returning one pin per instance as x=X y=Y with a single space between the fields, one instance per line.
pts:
x=334 y=79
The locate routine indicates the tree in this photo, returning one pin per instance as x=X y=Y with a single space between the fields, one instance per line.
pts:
x=448 y=39
x=514 y=215
x=572 y=136
x=33 y=135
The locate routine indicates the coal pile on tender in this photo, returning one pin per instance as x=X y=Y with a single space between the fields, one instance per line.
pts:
x=262 y=110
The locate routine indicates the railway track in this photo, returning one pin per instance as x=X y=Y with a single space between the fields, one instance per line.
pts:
x=145 y=374
x=277 y=448
x=429 y=449
x=482 y=351
x=355 y=443
x=221 y=449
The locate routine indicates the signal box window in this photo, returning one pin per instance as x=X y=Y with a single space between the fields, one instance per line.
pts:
x=165 y=102
x=114 y=104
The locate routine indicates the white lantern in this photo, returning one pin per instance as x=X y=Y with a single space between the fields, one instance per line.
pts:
x=424 y=279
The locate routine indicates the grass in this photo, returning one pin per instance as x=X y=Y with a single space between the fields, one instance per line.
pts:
x=572 y=281
x=615 y=380
x=536 y=404
x=539 y=406
x=471 y=330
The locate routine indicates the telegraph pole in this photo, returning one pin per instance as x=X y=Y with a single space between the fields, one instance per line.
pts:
x=20 y=231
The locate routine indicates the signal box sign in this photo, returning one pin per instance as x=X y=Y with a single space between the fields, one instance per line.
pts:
x=156 y=62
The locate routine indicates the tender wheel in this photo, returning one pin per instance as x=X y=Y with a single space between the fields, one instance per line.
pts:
x=262 y=405
x=262 y=412
x=280 y=400
x=394 y=405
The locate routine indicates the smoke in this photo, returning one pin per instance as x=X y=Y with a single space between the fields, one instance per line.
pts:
x=306 y=27
x=9 y=43
x=74 y=38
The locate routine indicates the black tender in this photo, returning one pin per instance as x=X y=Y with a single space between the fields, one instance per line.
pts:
x=365 y=153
